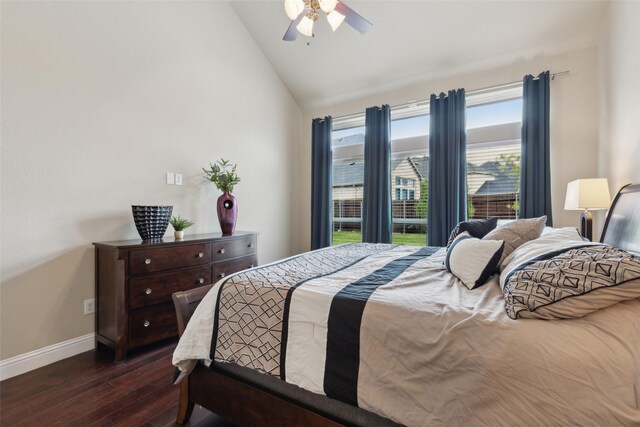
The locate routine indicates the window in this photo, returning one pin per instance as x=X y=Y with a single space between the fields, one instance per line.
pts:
x=493 y=159
x=348 y=179
x=409 y=166
x=493 y=165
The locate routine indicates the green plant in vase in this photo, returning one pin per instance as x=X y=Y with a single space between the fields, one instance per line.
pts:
x=179 y=224
x=223 y=175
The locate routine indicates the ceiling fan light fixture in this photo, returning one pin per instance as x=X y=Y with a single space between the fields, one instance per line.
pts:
x=305 y=26
x=335 y=18
x=328 y=5
x=293 y=8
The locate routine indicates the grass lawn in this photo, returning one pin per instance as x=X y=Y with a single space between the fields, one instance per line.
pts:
x=415 y=239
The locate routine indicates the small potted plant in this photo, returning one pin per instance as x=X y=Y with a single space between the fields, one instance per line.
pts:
x=223 y=175
x=180 y=224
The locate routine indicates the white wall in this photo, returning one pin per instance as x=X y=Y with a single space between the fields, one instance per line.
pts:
x=99 y=101
x=574 y=123
x=620 y=95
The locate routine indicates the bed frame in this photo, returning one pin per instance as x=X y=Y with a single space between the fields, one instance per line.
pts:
x=244 y=403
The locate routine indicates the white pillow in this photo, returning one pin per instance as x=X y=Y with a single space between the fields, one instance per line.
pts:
x=473 y=260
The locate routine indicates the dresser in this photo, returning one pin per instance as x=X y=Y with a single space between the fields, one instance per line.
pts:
x=135 y=280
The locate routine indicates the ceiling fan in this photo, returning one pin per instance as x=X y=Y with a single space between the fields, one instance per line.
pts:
x=304 y=13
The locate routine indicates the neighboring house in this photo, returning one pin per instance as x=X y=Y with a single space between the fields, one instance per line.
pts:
x=406 y=175
x=348 y=178
x=405 y=179
x=492 y=188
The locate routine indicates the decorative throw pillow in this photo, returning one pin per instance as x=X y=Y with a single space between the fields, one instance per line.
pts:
x=570 y=282
x=516 y=233
x=473 y=260
x=476 y=228
x=551 y=239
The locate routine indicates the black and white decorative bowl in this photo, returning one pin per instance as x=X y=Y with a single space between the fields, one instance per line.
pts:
x=151 y=221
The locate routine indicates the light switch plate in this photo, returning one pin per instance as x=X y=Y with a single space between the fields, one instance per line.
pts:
x=178 y=179
x=171 y=178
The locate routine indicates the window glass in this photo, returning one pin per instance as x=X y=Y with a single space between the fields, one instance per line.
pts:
x=493 y=170
x=494 y=113
x=493 y=179
x=493 y=165
x=409 y=166
x=348 y=179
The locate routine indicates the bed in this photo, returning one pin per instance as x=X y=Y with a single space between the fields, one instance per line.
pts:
x=383 y=335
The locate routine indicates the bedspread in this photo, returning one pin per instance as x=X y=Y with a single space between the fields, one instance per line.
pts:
x=388 y=329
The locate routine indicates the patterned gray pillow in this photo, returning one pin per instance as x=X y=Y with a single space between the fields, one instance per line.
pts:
x=516 y=233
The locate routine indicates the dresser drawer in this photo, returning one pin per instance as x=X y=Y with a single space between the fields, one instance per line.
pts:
x=151 y=324
x=225 y=268
x=160 y=259
x=228 y=249
x=157 y=288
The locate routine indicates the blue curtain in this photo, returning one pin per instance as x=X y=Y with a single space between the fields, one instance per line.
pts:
x=376 y=205
x=535 y=171
x=447 y=166
x=321 y=183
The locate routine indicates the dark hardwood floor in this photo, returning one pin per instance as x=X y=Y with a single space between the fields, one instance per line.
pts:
x=90 y=390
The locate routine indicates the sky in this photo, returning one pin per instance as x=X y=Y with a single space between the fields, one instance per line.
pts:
x=477 y=116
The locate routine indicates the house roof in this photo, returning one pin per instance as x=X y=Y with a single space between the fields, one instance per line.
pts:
x=503 y=184
x=346 y=174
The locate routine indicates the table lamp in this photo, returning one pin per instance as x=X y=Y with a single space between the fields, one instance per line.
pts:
x=585 y=195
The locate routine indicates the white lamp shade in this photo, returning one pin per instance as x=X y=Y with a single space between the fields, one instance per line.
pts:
x=587 y=194
x=293 y=8
x=335 y=19
x=327 y=5
x=305 y=26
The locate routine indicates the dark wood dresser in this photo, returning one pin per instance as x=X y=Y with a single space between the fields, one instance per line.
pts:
x=135 y=280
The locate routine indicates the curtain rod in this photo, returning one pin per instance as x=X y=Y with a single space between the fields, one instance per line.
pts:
x=471 y=92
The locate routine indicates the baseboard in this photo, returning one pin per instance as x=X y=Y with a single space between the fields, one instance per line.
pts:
x=45 y=356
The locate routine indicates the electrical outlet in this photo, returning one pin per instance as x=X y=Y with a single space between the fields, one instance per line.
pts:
x=170 y=178
x=90 y=306
x=178 y=179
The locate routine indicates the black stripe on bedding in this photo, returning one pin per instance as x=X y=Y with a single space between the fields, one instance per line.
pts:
x=285 y=315
x=343 y=327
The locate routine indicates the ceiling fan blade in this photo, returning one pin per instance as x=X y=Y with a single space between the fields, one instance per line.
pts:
x=360 y=24
x=292 y=32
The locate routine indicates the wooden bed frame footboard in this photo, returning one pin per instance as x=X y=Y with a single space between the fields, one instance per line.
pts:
x=238 y=401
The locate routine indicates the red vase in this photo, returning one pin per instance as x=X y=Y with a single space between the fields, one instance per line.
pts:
x=227 y=213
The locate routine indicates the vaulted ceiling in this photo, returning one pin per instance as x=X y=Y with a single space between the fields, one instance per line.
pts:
x=416 y=40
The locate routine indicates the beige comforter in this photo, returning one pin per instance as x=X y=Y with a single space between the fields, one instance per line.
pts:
x=433 y=352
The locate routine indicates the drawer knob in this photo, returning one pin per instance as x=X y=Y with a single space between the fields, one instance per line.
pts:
x=200 y=254
x=147 y=261
x=250 y=245
x=221 y=275
x=221 y=251
x=201 y=280
x=147 y=291
x=146 y=323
